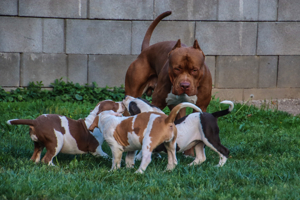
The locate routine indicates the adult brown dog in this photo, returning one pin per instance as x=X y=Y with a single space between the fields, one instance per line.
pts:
x=173 y=72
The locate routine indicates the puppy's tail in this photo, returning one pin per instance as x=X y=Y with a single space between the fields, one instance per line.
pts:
x=29 y=122
x=176 y=109
x=151 y=28
x=224 y=112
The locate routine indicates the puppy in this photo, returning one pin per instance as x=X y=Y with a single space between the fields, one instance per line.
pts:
x=61 y=134
x=194 y=130
x=144 y=131
x=138 y=105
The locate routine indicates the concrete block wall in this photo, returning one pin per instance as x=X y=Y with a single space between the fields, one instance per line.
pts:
x=251 y=46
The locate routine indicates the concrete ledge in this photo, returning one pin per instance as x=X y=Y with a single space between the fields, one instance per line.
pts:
x=227 y=38
x=228 y=94
x=98 y=37
x=43 y=67
x=187 y=10
x=53 y=8
x=108 y=70
x=20 y=34
x=165 y=31
x=9 y=69
x=275 y=93
x=116 y=9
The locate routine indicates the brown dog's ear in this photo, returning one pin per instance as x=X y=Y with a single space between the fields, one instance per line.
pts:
x=177 y=45
x=94 y=124
x=196 y=45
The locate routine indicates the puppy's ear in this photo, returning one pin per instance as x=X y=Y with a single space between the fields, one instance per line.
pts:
x=94 y=124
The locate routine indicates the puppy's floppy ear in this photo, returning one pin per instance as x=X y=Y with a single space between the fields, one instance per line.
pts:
x=94 y=124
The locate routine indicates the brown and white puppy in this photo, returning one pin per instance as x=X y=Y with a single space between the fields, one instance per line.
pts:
x=138 y=105
x=144 y=131
x=61 y=134
x=194 y=130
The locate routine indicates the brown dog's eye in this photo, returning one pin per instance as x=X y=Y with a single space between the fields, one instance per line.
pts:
x=177 y=69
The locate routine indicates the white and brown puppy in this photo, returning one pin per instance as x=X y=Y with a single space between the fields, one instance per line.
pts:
x=61 y=134
x=138 y=105
x=196 y=129
x=144 y=131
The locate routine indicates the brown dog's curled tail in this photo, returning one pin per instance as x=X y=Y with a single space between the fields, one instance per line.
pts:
x=151 y=28
x=176 y=109
x=29 y=122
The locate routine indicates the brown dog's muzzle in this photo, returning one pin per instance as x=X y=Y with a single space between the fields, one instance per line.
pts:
x=185 y=87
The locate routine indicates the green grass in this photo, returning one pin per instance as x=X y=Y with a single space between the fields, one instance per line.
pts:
x=264 y=162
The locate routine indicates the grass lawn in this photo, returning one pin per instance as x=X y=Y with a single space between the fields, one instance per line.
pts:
x=264 y=161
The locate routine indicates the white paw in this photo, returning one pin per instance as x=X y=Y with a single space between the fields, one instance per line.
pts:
x=139 y=171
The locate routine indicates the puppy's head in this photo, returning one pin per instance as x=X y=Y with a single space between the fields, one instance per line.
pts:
x=110 y=105
x=138 y=105
x=101 y=116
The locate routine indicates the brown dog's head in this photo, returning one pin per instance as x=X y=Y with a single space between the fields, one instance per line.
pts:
x=186 y=68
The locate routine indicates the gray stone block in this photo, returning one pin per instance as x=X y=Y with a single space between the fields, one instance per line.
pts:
x=267 y=75
x=227 y=38
x=228 y=94
x=108 y=70
x=98 y=37
x=288 y=10
x=210 y=62
x=278 y=38
x=165 y=31
x=20 y=34
x=116 y=9
x=42 y=67
x=187 y=10
x=237 y=71
x=53 y=8
x=9 y=69
x=77 y=68
x=9 y=7
x=233 y=10
x=53 y=36
x=267 y=10
x=288 y=71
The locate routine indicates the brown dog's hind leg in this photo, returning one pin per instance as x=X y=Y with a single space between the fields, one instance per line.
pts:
x=137 y=78
x=36 y=156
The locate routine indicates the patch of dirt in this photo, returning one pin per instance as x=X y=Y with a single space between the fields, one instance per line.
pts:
x=291 y=106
